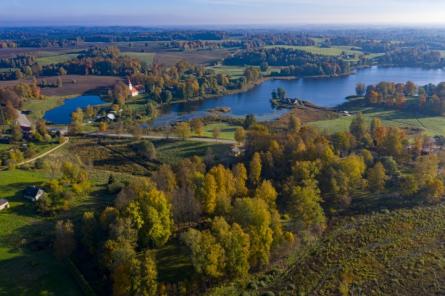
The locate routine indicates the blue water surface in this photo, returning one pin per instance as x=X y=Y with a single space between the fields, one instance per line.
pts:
x=62 y=114
x=326 y=92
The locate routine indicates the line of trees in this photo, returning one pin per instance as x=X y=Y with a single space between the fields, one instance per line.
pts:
x=412 y=57
x=294 y=62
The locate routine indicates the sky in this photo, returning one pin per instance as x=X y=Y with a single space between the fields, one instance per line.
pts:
x=220 y=12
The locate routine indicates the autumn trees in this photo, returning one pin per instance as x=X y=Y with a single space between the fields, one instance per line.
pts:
x=141 y=219
x=428 y=98
x=72 y=182
x=233 y=218
x=184 y=81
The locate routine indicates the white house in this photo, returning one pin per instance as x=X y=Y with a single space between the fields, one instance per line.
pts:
x=4 y=204
x=33 y=193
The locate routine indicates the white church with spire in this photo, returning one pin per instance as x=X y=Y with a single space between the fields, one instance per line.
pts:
x=133 y=90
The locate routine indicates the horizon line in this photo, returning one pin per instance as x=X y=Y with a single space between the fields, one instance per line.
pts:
x=238 y=26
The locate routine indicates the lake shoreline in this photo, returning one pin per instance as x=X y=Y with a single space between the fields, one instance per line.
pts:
x=325 y=92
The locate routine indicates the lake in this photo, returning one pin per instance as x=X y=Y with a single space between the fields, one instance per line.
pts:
x=326 y=92
x=62 y=114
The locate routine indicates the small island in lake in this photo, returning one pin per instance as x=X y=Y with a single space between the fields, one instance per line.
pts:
x=280 y=100
x=220 y=110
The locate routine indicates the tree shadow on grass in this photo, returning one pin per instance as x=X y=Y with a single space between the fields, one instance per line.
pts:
x=377 y=202
x=34 y=272
x=22 y=206
x=174 y=264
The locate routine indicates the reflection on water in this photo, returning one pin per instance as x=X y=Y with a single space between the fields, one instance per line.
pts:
x=62 y=114
x=327 y=92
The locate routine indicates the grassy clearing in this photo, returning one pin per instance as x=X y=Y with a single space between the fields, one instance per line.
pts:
x=4 y=147
x=430 y=125
x=227 y=131
x=392 y=253
x=115 y=155
x=3 y=70
x=170 y=151
x=233 y=71
x=202 y=57
x=25 y=268
x=330 y=51
x=238 y=71
x=56 y=59
x=146 y=57
x=374 y=55
x=38 y=108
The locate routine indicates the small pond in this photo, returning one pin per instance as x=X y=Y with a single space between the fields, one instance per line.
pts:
x=62 y=113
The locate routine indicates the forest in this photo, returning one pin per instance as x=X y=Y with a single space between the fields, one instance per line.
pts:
x=235 y=220
x=294 y=62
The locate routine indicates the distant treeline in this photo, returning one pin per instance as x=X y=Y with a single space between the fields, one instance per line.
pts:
x=412 y=57
x=295 y=62
x=201 y=44
x=96 y=61
x=18 y=61
x=68 y=37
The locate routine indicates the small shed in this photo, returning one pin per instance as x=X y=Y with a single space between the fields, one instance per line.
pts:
x=4 y=204
x=33 y=193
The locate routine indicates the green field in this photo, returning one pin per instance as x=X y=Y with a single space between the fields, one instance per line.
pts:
x=238 y=71
x=118 y=155
x=4 y=147
x=146 y=57
x=56 y=58
x=25 y=269
x=390 y=253
x=173 y=151
x=318 y=40
x=227 y=131
x=430 y=125
x=38 y=108
x=330 y=51
x=232 y=71
x=2 y=70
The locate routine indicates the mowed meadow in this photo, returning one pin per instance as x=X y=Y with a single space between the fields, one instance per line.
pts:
x=26 y=264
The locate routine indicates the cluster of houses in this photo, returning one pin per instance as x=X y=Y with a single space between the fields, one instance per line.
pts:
x=31 y=193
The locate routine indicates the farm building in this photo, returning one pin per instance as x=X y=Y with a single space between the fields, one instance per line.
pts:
x=58 y=131
x=33 y=193
x=4 y=204
x=23 y=121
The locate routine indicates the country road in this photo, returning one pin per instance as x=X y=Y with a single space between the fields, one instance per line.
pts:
x=45 y=153
x=161 y=137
